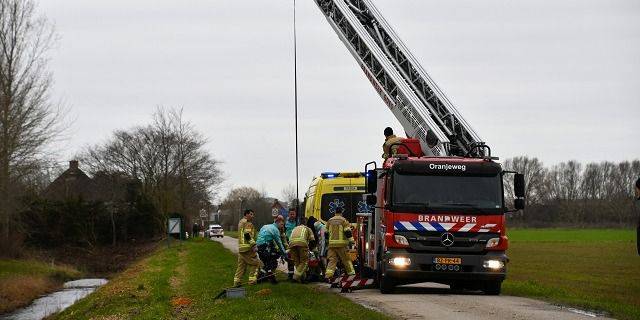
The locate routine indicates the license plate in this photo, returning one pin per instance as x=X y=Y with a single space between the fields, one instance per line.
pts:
x=443 y=260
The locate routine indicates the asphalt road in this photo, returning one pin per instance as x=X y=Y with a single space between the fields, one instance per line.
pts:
x=434 y=301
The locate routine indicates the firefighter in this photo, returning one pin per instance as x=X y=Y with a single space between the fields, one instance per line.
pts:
x=389 y=139
x=340 y=237
x=300 y=241
x=638 y=213
x=283 y=233
x=270 y=248
x=291 y=223
x=319 y=231
x=247 y=258
x=285 y=243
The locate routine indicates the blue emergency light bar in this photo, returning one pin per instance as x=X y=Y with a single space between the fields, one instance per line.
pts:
x=328 y=175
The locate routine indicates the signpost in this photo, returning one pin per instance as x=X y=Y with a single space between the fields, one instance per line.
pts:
x=203 y=216
x=173 y=228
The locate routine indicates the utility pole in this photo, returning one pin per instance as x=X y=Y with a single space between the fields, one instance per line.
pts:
x=240 y=211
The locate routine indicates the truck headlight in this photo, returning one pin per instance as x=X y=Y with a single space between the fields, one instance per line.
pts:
x=401 y=240
x=493 y=264
x=400 y=261
x=493 y=242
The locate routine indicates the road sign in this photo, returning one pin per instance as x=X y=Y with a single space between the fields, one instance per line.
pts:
x=174 y=225
x=203 y=213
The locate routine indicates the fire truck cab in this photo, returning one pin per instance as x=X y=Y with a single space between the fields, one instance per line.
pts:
x=437 y=219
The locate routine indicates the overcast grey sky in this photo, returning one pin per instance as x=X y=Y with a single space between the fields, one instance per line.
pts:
x=558 y=80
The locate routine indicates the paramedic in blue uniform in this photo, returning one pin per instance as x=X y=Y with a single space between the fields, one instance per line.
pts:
x=270 y=248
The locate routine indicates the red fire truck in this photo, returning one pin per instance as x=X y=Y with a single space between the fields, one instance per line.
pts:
x=436 y=219
x=439 y=202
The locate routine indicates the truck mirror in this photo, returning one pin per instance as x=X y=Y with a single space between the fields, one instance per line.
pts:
x=372 y=181
x=372 y=199
x=519 y=204
x=518 y=185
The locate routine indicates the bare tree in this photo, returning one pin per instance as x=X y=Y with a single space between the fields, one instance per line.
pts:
x=629 y=172
x=600 y=194
x=241 y=198
x=289 y=195
x=564 y=182
x=169 y=160
x=571 y=176
x=28 y=120
x=534 y=173
x=593 y=181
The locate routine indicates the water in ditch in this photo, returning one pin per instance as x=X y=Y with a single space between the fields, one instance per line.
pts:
x=57 y=301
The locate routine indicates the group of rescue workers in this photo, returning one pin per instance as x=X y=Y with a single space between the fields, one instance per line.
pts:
x=293 y=241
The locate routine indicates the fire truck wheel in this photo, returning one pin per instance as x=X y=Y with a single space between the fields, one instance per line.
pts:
x=387 y=285
x=457 y=286
x=492 y=288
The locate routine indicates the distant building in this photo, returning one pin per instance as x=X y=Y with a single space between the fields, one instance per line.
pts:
x=71 y=185
x=74 y=184
x=214 y=215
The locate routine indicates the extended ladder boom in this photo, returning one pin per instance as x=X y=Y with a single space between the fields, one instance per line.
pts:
x=421 y=107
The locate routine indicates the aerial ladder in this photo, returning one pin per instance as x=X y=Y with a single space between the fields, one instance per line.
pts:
x=422 y=109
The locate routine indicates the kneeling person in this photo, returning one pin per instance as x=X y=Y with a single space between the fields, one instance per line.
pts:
x=301 y=239
x=270 y=247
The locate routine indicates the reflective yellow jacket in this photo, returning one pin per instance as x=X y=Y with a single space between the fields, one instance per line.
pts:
x=387 y=150
x=337 y=226
x=246 y=230
x=300 y=236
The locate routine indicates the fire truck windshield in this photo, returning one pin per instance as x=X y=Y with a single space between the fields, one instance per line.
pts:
x=412 y=192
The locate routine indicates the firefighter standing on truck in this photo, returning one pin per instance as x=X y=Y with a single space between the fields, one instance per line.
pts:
x=340 y=236
x=389 y=139
x=300 y=241
x=247 y=257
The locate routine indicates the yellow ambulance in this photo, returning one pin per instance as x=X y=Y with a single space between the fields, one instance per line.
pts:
x=336 y=189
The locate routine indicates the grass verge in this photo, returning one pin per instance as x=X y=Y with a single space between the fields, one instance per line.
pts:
x=181 y=283
x=592 y=269
x=22 y=281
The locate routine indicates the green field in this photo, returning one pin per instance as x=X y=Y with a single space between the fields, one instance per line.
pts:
x=21 y=281
x=181 y=283
x=593 y=269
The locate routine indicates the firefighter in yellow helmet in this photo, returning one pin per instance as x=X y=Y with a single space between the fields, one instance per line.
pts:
x=248 y=260
x=340 y=236
x=299 y=243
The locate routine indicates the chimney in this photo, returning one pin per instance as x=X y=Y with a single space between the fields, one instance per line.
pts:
x=73 y=164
